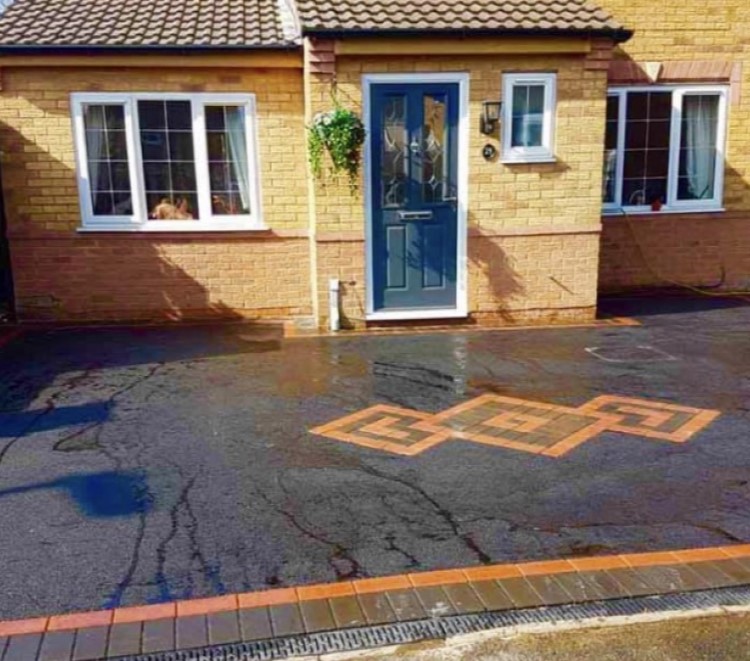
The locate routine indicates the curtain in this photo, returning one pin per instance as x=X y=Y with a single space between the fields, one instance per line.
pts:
x=95 y=148
x=610 y=163
x=235 y=127
x=699 y=122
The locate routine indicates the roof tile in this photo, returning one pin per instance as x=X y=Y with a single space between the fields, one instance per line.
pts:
x=270 y=23
x=319 y=16
x=252 y=23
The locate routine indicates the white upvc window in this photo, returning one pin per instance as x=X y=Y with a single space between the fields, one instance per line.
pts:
x=664 y=149
x=529 y=107
x=167 y=162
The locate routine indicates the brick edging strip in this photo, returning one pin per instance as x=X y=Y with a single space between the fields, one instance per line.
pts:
x=370 y=586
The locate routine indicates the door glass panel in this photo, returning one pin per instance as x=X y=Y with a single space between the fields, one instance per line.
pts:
x=393 y=159
x=434 y=176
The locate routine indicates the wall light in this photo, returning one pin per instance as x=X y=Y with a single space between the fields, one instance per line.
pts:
x=490 y=116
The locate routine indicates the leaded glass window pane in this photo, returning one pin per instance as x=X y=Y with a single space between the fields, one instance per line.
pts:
x=393 y=159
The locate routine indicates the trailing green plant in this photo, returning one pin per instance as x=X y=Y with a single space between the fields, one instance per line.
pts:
x=341 y=134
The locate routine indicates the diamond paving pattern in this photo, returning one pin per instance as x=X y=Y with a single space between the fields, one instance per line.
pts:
x=517 y=424
x=642 y=417
x=401 y=431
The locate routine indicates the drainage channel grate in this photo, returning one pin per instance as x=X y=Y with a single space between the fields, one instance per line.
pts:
x=412 y=632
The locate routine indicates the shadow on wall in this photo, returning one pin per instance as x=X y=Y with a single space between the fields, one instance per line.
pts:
x=680 y=251
x=491 y=267
x=62 y=275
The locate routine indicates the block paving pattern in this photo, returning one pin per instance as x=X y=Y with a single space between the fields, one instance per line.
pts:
x=263 y=615
x=517 y=424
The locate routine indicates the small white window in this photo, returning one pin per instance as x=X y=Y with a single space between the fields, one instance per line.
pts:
x=172 y=162
x=664 y=149
x=529 y=102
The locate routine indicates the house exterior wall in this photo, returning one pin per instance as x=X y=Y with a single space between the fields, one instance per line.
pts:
x=703 y=249
x=62 y=274
x=533 y=239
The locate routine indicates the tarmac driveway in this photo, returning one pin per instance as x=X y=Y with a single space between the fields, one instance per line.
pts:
x=153 y=464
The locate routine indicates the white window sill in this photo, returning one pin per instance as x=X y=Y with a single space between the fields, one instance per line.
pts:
x=524 y=160
x=173 y=228
x=615 y=213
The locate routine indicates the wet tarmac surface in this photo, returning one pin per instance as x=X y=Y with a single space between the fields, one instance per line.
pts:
x=148 y=465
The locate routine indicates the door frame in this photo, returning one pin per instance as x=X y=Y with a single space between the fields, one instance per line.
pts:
x=461 y=309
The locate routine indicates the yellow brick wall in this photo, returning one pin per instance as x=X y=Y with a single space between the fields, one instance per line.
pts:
x=62 y=274
x=692 y=249
x=522 y=257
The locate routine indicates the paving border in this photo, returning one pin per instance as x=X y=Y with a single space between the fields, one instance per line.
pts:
x=308 y=609
x=290 y=332
x=633 y=610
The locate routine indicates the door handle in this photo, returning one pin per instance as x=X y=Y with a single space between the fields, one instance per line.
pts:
x=414 y=215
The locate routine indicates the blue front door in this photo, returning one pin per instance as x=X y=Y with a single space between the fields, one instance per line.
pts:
x=414 y=145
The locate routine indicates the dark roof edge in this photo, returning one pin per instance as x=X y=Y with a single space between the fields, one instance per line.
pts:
x=618 y=35
x=52 y=49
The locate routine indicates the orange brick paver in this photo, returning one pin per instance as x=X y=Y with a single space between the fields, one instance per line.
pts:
x=373 y=585
x=20 y=627
x=516 y=424
x=651 y=559
x=492 y=572
x=80 y=620
x=546 y=567
x=432 y=578
x=267 y=598
x=205 y=606
x=144 y=613
x=402 y=582
x=325 y=591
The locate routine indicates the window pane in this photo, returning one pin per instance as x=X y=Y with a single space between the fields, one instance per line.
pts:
x=168 y=160
x=154 y=145
x=179 y=116
x=117 y=145
x=107 y=159
x=610 y=151
x=697 y=172
x=181 y=146
x=151 y=115
x=646 y=157
x=528 y=116
x=227 y=156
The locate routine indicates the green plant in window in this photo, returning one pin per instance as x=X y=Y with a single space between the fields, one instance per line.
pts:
x=341 y=134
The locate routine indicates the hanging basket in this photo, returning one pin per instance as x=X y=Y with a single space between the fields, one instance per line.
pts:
x=341 y=134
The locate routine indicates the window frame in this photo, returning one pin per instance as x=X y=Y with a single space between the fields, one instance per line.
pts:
x=139 y=221
x=672 y=204
x=546 y=152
